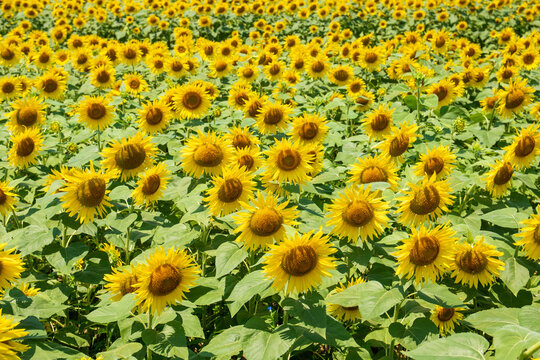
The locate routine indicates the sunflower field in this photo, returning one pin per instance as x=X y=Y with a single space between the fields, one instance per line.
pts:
x=270 y=179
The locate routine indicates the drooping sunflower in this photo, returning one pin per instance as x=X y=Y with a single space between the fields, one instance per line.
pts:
x=129 y=156
x=309 y=129
x=254 y=106
x=357 y=212
x=344 y=313
x=378 y=123
x=376 y=168
x=135 y=83
x=192 y=101
x=164 y=279
x=51 y=85
x=438 y=161
x=273 y=117
x=229 y=190
x=499 y=178
x=121 y=282
x=86 y=193
x=514 y=98
x=206 y=154
x=11 y=267
x=248 y=159
x=425 y=201
x=25 y=149
x=426 y=254
x=242 y=138
x=27 y=113
x=10 y=332
x=446 y=318
x=526 y=146
x=288 y=162
x=530 y=236
x=297 y=264
x=154 y=117
x=398 y=141
x=151 y=185
x=8 y=198
x=476 y=263
x=445 y=91
x=95 y=112
x=263 y=222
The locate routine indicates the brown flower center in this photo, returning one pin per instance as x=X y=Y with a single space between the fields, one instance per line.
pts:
x=380 y=122
x=528 y=59
x=91 y=192
x=27 y=116
x=7 y=54
x=514 y=99
x=130 y=54
x=247 y=161
x=230 y=190
x=441 y=92
x=425 y=201
x=127 y=285
x=536 y=234
x=273 y=116
x=3 y=198
x=103 y=77
x=265 y=222
x=96 y=111
x=25 y=147
x=248 y=73
x=472 y=262
x=299 y=261
x=373 y=174
x=130 y=156
x=504 y=174
x=241 y=141
x=164 y=280
x=440 y=42
x=221 y=66
x=44 y=58
x=433 y=165
x=154 y=116
x=274 y=69
x=507 y=74
x=358 y=213
x=50 y=85
x=208 y=155
x=424 y=251
x=355 y=87
x=288 y=159
x=241 y=98
x=151 y=185
x=134 y=84
x=177 y=66
x=371 y=57
x=299 y=64
x=8 y=87
x=317 y=67
x=308 y=131
x=158 y=64
x=445 y=314
x=341 y=75
x=192 y=100
x=525 y=146
x=398 y=145
x=255 y=108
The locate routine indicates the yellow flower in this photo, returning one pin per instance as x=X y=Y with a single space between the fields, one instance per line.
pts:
x=341 y=312
x=438 y=161
x=11 y=267
x=229 y=191
x=288 y=162
x=530 y=236
x=526 y=146
x=26 y=146
x=27 y=113
x=446 y=318
x=95 y=112
x=151 y=185
x=129 y=156
x=206 y=154
x=372 y=169
x=499 y=178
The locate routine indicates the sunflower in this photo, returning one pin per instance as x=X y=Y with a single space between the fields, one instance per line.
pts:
x=309 y=129
x=446 y=318
x=130 y=54
x=248 y=72
x=445 y=91
x=355 y=87
x=242 y=138
x=121 y=282
x=103 y=77
x=239 y=95
x=378 y=123
x=206 y=154
x=254 y=106
x=318 y=66
x=95 y=112
x=10 y=55
x=341 y=312
x=288 y=162
x=86 y=193
x=530 y=235
x=424 y=201
x=274 y=70
x=10 y=332
x=192 y=101
x=297 y=264
x=514 y=98
x=439 y=161
x=264 y=221
x=154 y=117
x=341 y=75
x=229 y=190
x=8 y=198
x=135 y=83
x=499 y=178
x=11 y=266
x=507 y=73
x=175 y=68
x=356 y=212
x=51 y=85
x=27 y=113
x=248 y=158
x=164 y=279
x=316 y=157
x=363 y=100
x=426 y=254
x=376 y=168
x=476 y=263
x=273 y=117
x=26 y=146
x=151 y=185
x=526 y=146
x=371 y=59
x=398 y=141
x=129 y=156
x=219 y=68
x=9 y=87
x=529 y=59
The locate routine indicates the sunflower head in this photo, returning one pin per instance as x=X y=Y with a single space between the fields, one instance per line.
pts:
x=206 y=154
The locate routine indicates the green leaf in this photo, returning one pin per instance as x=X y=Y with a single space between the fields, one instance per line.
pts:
x=439 y=294
x=491 y=320
x=229 y=255
x=263 y=345
x=251 y=285
x=419 y=331
x=511 y=340
x=191 y=324
x=121 y=192
x=121 y=352
x=228 y=343
x=515 y=275
x=431 y=101
x=115 y=311
x=507 y=217
x=63 y=259
x=48 y=350
x=310 y=311
x=171 y=341
x=89 y=153
x=462 y=346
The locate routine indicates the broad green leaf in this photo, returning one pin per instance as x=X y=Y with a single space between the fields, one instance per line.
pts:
x=171 y=341
x=89 y=153
x=515 y=275
x=511 y=340
x=309 y=311
x=251 y=285
x=191 y=324
x=229 y=255
x=413 y=335
x=507 y=217
x=491 y=320
x=431 y=101
x=263 y=345
x=63 y=259
x=439 y=294
x=121 y=352
x=462 y=346
x=227 y=343
x=48 y=350
x=115 y=311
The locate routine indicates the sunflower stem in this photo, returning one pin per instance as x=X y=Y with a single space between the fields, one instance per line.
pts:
x=418 y=101
x=16 y=219
x=99 y=139
x=530 y=351
x=466 y=198
x=148 y=350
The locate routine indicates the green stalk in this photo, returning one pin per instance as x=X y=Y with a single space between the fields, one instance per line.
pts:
x=530 y=351
x=148 y=351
